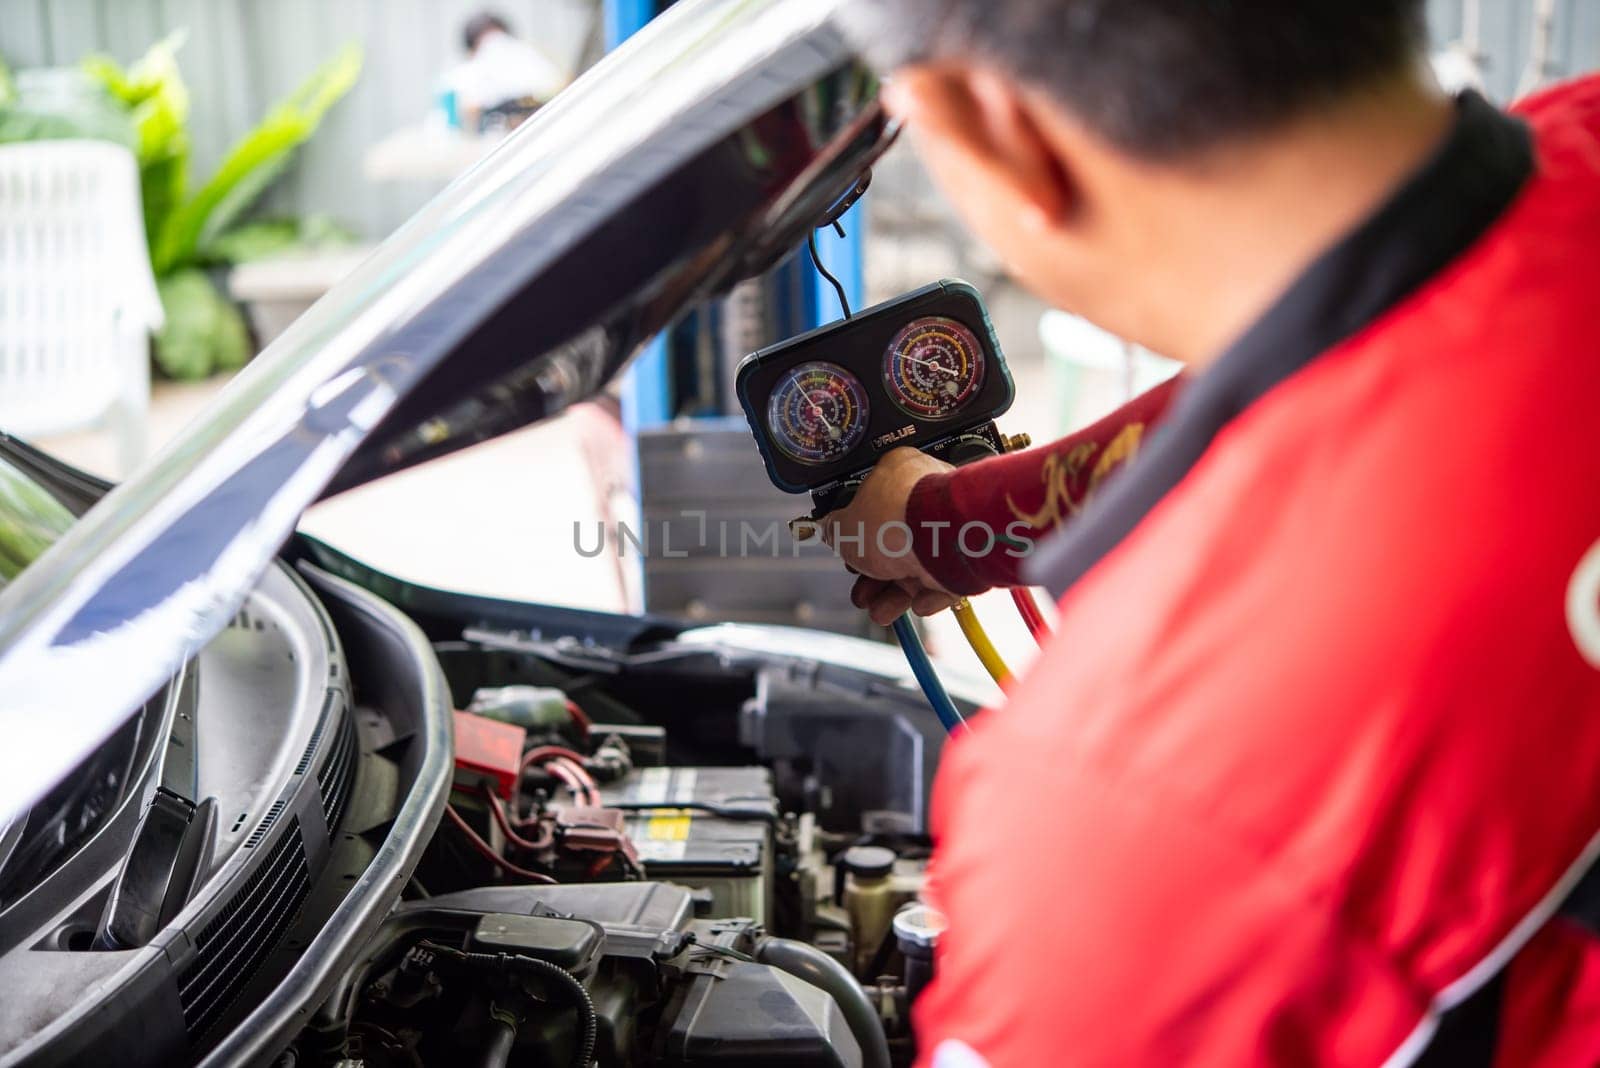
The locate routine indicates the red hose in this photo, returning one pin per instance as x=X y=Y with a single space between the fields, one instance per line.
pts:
x=1029 y=610
x=590 y=789
x=580 y=718
x=566 y=765
x=485 y=850
x=540 y=753
x=560 y=769
x=504 y=821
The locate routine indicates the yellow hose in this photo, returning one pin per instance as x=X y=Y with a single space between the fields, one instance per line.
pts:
x=978 y=638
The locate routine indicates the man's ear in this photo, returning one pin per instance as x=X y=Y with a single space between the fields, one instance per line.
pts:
x=985 y=117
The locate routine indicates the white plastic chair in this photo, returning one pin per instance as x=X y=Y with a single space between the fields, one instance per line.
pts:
x=77 y=297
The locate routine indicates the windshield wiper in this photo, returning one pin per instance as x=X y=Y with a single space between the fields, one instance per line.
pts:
x=170 y=846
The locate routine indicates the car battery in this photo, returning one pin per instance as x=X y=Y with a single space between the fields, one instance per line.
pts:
x=704 y=827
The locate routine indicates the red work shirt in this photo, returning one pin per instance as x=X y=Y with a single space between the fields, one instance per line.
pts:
x=1312 y=759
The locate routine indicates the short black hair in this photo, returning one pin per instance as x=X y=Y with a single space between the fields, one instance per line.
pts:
x=480 y=26
x=1159 y=78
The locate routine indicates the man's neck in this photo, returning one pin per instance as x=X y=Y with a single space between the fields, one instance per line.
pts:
x=1216 y=243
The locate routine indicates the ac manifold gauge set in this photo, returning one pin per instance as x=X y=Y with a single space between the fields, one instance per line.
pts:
x=923 y=370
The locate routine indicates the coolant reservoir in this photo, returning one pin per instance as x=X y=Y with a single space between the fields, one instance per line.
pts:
x=870 y=899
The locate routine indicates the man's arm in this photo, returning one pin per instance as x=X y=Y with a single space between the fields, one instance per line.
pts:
x=1021 y=497
x=1013 y=500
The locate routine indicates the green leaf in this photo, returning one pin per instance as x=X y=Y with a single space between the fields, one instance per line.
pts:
x=203 y=333
x=156 y=99
x=96 y=124
x=155 y=73
x=252 y=164
x=162 y=183
x=258 y=240
x=30 y=520
x=75 y=110
x=265 y=238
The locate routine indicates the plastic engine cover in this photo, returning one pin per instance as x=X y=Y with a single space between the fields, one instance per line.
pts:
x=747 y=1013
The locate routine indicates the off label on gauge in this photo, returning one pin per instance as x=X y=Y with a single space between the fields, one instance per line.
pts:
x=817 y=412
x=934 y=367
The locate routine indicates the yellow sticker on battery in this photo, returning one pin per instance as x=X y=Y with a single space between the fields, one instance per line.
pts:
x=669 y=825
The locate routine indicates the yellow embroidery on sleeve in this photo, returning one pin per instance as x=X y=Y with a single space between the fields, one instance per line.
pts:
x=1060 y=471
x=1123 y=447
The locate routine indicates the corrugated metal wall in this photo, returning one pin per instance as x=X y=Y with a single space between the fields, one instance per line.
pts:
x=1506 y=29
x=243 y=54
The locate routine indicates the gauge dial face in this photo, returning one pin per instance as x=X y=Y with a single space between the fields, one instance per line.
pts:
x=817 y=412
x=933 y=367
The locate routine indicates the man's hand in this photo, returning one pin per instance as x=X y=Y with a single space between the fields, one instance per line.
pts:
x=893 y=581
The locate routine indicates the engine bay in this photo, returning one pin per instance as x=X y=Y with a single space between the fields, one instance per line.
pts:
x=680 y=856
x=440 y=828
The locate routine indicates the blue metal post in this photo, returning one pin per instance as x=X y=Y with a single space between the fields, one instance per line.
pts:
x=624 y=17
x=804 y=298
x=842 y=257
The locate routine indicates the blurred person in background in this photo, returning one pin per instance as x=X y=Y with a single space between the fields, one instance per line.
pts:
x=504 y=79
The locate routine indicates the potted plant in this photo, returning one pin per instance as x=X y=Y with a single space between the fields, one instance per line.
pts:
x=190 y=230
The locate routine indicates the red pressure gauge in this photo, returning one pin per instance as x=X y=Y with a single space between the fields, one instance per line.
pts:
x=933 y=368
x=817 y=412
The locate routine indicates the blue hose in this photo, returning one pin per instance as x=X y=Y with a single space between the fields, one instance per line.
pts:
x=922 y=668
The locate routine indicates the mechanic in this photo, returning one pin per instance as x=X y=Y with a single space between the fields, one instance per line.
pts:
x=1309 y=772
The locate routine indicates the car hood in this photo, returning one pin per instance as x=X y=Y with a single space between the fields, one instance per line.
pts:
x=699 y=153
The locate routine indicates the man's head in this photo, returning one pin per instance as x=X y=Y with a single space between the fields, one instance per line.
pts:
x=1158 y=78
x=480 y=26
x=1027 y=110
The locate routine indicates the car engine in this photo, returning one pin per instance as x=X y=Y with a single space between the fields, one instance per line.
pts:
x=674 y=859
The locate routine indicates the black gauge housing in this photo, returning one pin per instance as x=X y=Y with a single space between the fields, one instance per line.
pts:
x=859 y=345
